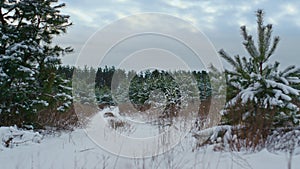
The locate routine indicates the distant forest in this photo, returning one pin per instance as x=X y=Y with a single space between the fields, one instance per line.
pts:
x=141 y=83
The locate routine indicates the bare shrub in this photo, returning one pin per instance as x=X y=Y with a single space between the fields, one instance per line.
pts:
x=108 y=114
x=101 y=106
x=252 y=127
x=66 y=120
x=117 y=124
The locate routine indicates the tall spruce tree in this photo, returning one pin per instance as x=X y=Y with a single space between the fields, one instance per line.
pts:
x=29 y=60
x=261 y=95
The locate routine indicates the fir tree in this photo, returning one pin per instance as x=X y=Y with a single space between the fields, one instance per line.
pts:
x=28 y=59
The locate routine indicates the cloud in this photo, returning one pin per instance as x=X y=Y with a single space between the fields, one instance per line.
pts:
x=122 y=1
x=81 y=16
x=218 y=18
x=290 y=9
x=212 y=14
x=180 y=4
x=284 y=13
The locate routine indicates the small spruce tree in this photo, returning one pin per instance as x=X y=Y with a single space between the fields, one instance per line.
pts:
x=260 y=94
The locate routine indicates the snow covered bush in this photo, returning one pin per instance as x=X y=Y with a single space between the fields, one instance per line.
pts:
x=12 y=137
x=261 y=96
x=29 y=60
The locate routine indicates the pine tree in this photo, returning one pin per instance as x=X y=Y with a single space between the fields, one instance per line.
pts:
x=29 y=61
x=261 y=94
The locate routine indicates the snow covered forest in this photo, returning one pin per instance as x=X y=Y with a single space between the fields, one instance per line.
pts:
x=258 y=125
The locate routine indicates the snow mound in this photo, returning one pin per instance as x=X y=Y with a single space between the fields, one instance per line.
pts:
x=12 y=136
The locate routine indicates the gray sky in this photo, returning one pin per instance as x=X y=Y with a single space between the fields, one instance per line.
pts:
x=219 y=20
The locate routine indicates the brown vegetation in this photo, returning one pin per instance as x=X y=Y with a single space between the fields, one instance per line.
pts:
x=108 y=114
x=77 y=115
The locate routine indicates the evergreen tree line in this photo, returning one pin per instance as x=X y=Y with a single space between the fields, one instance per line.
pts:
x=141 y=84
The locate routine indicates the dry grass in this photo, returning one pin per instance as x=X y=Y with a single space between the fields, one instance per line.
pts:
x=249 y=132
x=154 y=112
x=209 y=112
x=118 y=124
x=77 y=115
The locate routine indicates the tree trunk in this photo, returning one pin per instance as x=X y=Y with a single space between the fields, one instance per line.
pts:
x=290 y=160
x=260 y=68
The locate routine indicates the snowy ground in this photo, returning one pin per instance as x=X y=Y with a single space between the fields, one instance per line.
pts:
x=75 y=150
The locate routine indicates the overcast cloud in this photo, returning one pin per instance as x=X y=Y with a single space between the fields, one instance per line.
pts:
x=218 y=20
